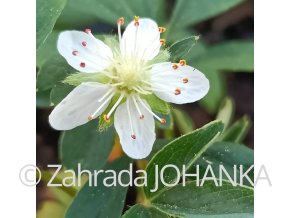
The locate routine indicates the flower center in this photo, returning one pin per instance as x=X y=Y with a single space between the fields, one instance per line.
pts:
x=129 y=75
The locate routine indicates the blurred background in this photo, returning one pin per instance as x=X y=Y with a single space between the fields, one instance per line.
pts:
x=224 y=53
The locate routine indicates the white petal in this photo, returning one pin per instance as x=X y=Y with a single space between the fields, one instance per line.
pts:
x=144 y=130
x=143 y=41
x=78 y=105
x=166 y=80
x=95 y=55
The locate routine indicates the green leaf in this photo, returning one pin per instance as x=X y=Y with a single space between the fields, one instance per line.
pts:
x=181 y=151
x=101 y=201
x=43 y=99
x=156 y=104
x=226 y=111
x=86 y=146
x=48 y=49
x=47 y=12
x=228 y=154
x=216 y=92
x=81 y=12
x=59 y=92
x=183 y=121
x=190 y=12
x=238 y=131
x=181 y=48
x=229 y=56
x=141 y=211
x=53 y=71
x=208 y=201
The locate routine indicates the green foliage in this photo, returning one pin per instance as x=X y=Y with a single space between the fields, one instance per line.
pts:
x=47 y=12
x=141 y=211
x=226 y=111
x=183 y=121
x=156 y=104
x=181 y=48
x=228 y=154
x=52 y=72
x=238 y=131
x=190 y=12
x=182 y=151
x=86 y=146
x=101 y=201
x=80 y=12
x=207 y=201
x=228 y=56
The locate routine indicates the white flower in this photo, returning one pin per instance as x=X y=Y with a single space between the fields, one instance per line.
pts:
x=131 y=75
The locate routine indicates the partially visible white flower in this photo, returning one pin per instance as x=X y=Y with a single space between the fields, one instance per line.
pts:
x=131 y=75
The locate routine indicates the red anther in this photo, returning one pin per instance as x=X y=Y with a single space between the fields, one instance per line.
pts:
x=141 y=117
x=106 y=118
x=75 y=53
x=82 y=65
x=90 y=118
x=163 y=121
x=162 y=41
x=177 y=92
x=182 y=62
x=133 y=136
x=136 y=24
x=88 y=31
x=174 y=66
x=84 y=44
x=120 y=21
x=185 y=80
x=161 y=29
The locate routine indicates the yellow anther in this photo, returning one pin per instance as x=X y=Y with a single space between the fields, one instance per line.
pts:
x=162 y=41
x=182 y=62
x=106 y=118
x=120 y=21
x=175 y=66
x=162 y=29
x=136 y=20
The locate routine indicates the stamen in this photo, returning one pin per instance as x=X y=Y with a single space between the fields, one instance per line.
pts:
x=120 y=22
x=177 y=92
x=90 y=118
x=161 y=120
x=133 y=136
x=141 y=116
x=105 y=95
x=115 y=105
x=84 y=44
x=175 y=66
x=118 y=84
x=88 y=31
x=182 y=62
x=162 y=41
x=74 y=53
x=136 y=20
x=102 y=105
x=185 y=80
x=162 y=29
x=82 y=65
